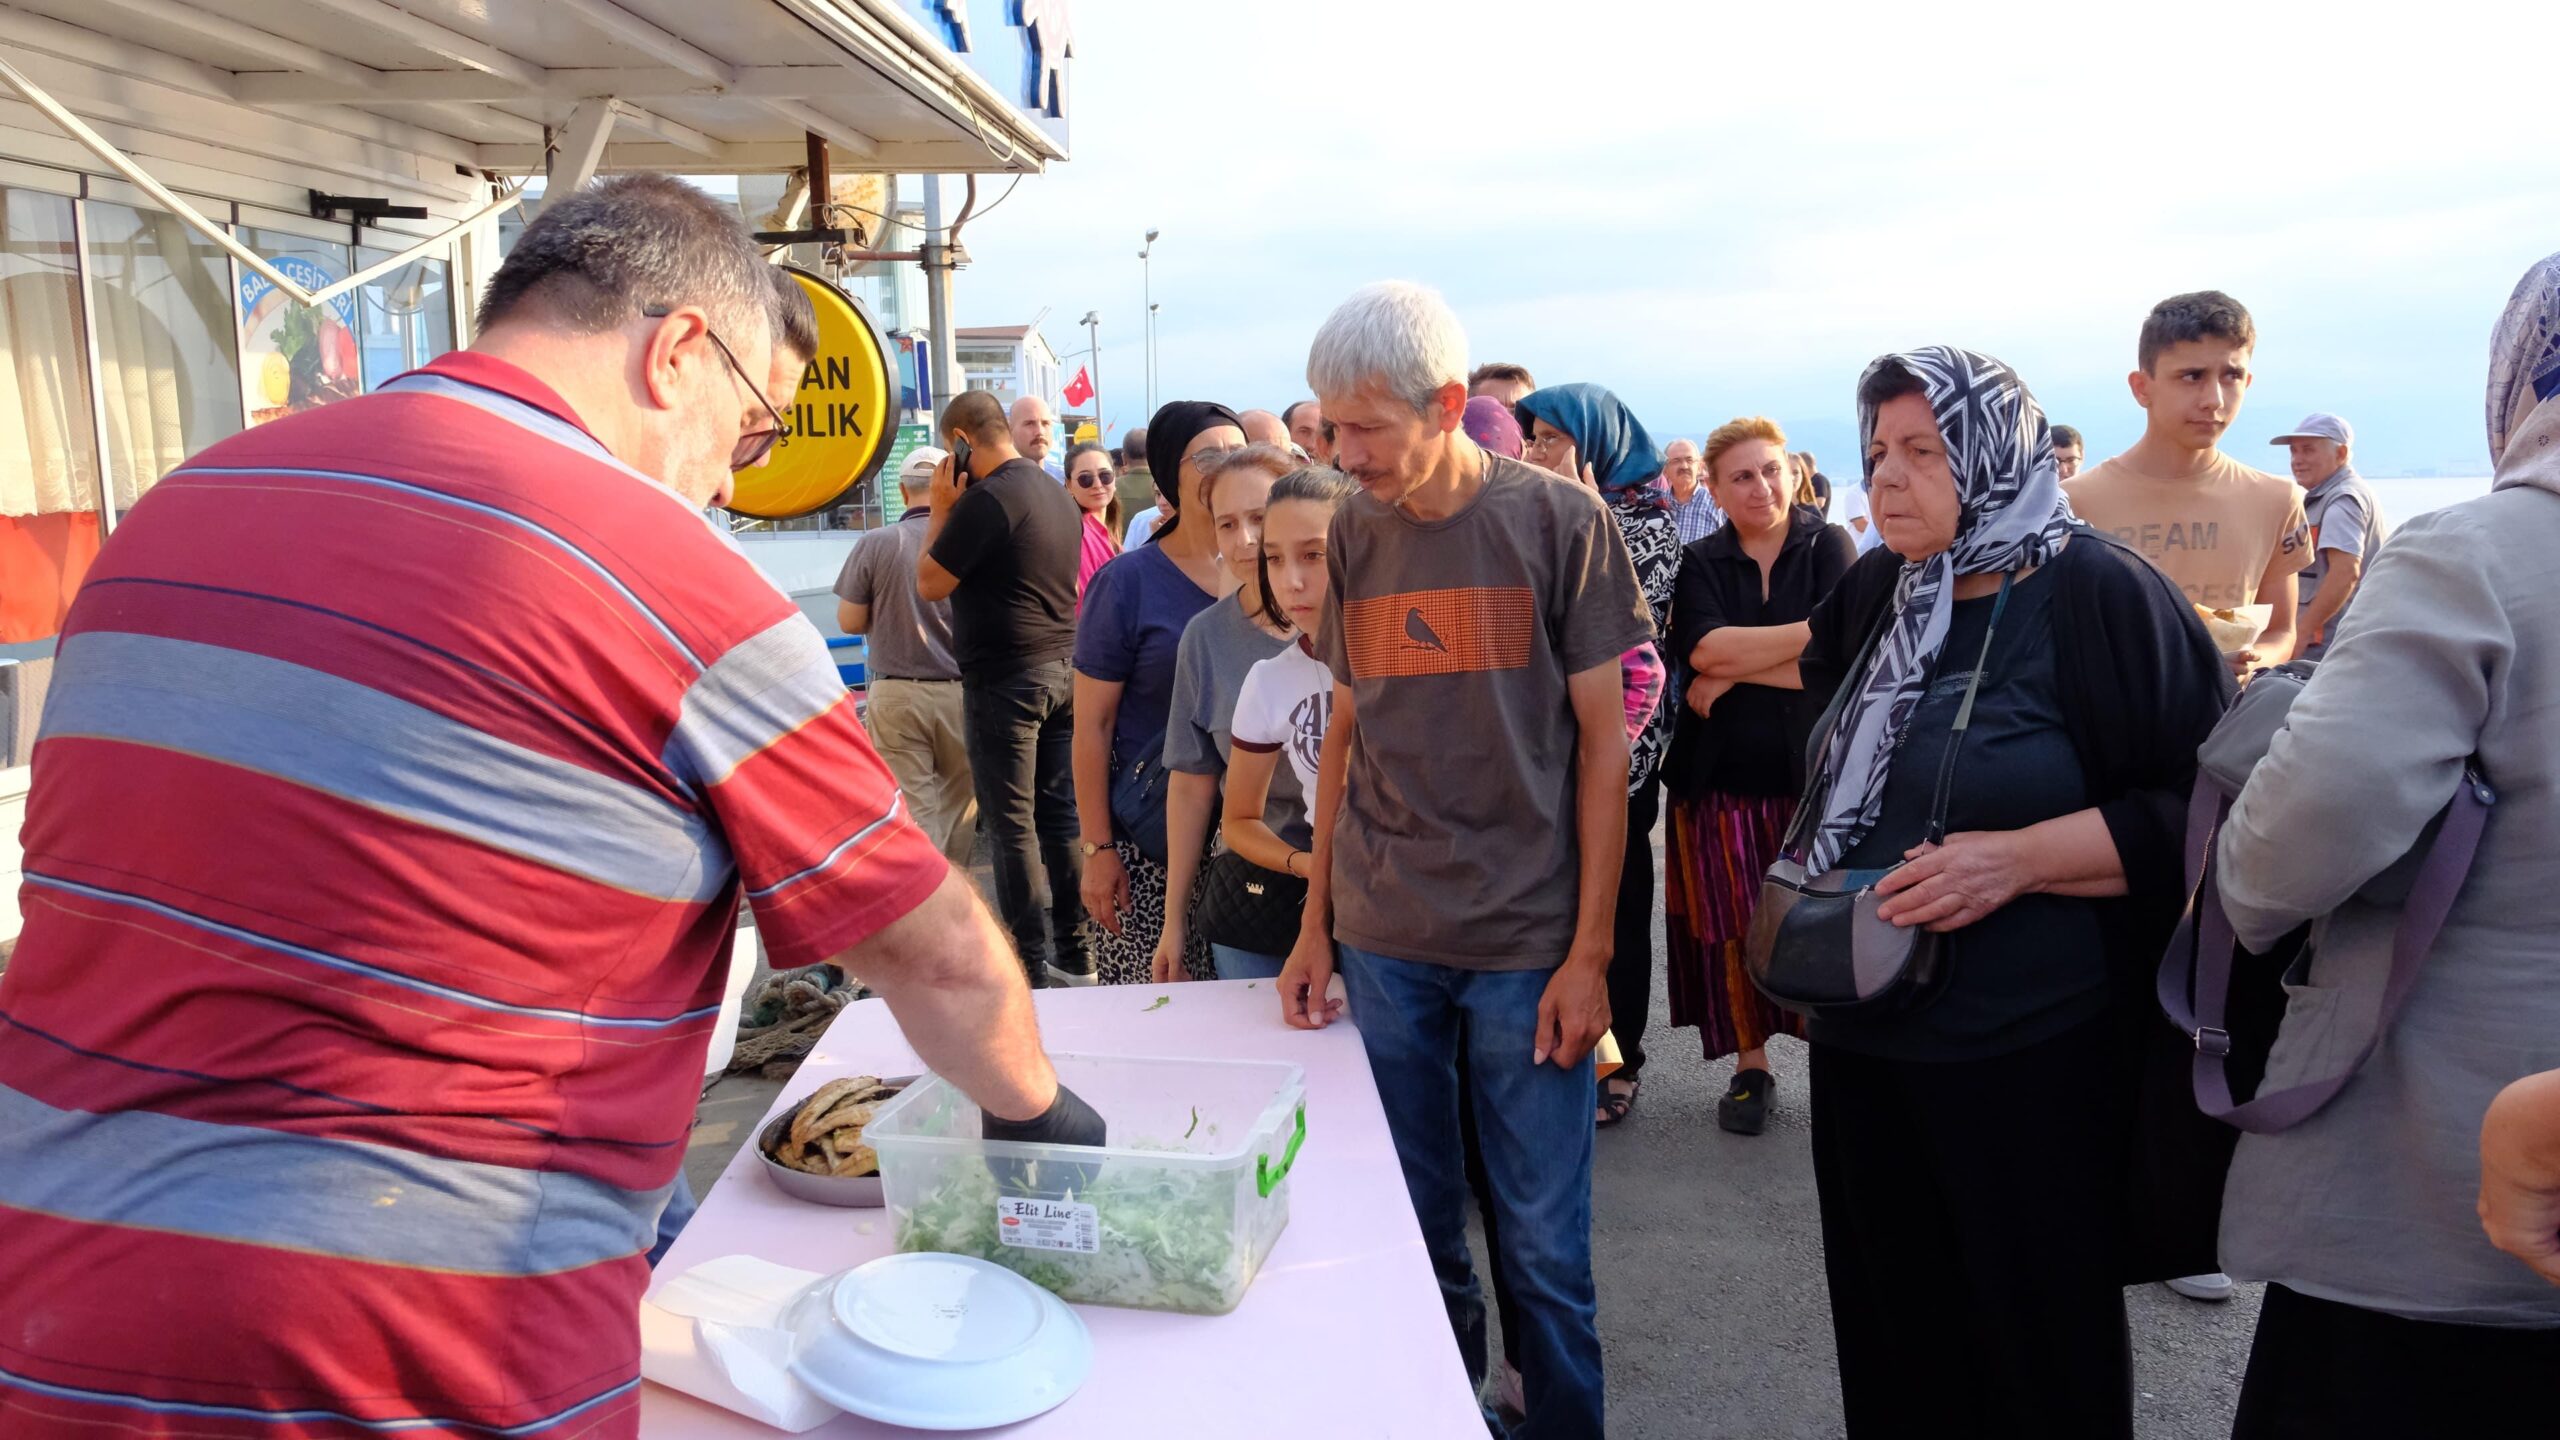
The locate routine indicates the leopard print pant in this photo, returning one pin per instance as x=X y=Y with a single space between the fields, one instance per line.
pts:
x=1128 y=958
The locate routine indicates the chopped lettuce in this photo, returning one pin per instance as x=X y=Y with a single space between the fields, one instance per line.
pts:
x=1169 y=1238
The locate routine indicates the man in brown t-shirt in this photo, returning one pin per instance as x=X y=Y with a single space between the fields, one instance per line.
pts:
x=1470 y=816
x=2227 y=534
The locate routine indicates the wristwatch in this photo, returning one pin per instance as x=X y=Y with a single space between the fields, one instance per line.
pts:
x=1090 y=849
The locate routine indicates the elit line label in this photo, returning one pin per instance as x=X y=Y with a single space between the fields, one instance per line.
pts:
x=1048 y=1225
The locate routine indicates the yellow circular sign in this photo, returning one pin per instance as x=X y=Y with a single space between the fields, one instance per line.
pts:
x=842 y=420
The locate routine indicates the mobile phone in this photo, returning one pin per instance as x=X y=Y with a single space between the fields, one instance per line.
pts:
x=960 y=461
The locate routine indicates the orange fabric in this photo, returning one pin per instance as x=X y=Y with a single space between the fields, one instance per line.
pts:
x=1441 y=632
x=42 y=561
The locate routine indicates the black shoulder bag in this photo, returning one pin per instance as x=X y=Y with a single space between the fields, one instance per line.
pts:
x=1815 y=945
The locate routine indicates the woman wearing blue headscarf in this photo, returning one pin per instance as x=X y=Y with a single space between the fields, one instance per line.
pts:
x=1587 y=435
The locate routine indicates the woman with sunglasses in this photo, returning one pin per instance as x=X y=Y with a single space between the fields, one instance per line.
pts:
x=1128 y=639
x=1089 y=480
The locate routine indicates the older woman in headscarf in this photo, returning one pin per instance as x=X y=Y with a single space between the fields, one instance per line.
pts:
x=2390 y=1313
x=1971 y=1142
x=1586 y=434
x=1128 y=640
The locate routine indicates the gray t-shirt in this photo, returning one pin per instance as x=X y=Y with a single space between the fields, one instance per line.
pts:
x=910 y=637
x=1456 y=841
x=1219 y=647
x=2345 y=520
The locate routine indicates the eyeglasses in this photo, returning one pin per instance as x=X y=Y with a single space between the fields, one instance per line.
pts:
x=754 y=445
x=1094 y=480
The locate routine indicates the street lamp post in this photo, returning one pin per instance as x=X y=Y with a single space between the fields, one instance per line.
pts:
x=1092 y=323
x=1146 y=278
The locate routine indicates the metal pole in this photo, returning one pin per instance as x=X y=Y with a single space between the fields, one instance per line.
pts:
x=937 y=292
x=1093 y=368
x=1146 y=278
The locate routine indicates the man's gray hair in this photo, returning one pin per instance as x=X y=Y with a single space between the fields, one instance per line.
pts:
x=1394 y=333
x=593 y=259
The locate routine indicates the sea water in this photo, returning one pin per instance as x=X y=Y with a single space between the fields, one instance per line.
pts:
x=2409 y=497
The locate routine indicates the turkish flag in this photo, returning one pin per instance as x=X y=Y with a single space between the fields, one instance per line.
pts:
x=1079 y=390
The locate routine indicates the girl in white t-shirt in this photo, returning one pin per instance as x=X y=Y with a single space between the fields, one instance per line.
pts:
x=1287 y=699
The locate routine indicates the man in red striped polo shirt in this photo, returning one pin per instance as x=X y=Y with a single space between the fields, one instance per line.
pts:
x=403 y=768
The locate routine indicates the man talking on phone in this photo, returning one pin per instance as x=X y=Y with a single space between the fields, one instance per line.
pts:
x=1002 y=547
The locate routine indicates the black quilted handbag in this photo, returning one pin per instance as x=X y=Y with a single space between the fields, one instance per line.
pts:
x=1245 y=907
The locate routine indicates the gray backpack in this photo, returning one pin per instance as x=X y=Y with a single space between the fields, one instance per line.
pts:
x=2195 y=979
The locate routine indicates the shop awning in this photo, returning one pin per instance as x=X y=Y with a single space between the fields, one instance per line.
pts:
x=701 y=86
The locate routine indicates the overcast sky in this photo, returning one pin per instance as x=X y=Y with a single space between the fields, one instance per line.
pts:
x=1722 y=209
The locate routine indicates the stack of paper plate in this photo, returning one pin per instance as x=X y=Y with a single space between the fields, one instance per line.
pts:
x=938 y=1342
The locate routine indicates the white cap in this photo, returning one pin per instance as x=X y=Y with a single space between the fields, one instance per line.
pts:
x=2319 y=425
x=920 y=465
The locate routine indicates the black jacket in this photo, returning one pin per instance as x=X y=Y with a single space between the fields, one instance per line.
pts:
x=1753 y=743
x=2142 y=684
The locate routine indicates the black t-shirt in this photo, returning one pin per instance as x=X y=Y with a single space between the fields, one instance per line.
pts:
x=1753 y=742
x=1012 y=539
x=2036 y=966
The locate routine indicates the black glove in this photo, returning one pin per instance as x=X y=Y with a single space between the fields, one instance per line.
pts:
x=1067 y=1121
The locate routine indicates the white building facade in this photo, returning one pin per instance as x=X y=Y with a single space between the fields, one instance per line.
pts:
x=1010 y=360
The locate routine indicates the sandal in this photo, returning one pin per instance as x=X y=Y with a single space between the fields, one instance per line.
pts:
x=1615 y=1102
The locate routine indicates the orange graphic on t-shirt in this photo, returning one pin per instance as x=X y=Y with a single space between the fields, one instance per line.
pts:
x=1440 y=632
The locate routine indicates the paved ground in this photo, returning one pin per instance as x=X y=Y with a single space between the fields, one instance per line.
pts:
x=1709 y=1262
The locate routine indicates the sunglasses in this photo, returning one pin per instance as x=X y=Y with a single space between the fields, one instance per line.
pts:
x=1094 y=480
x=754 y=445
x=1207 y=459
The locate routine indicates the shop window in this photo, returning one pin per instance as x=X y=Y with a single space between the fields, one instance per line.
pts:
x=296 y=357
x=404 y=319
x=48 y=444
x=168 y=367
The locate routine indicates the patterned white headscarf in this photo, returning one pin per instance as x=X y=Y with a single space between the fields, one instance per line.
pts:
x=2014 y=516
x=2524 y=354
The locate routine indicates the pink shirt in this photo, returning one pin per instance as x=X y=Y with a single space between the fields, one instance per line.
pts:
x=1099 y=548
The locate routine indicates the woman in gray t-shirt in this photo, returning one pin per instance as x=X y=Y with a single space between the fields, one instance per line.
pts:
x=1219 y=645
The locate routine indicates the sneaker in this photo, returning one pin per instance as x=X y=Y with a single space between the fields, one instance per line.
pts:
x=2213 y=1287
x=1075 y=969
x=1744 y=1110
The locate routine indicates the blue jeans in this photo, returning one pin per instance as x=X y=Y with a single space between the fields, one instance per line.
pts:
x=1235 y=964
x=672 y=1220
x=1534 y=1122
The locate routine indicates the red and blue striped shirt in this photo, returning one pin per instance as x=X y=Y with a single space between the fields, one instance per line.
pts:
x=403 y=767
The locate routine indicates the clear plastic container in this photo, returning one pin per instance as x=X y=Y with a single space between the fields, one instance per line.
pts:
x=1177 y=1213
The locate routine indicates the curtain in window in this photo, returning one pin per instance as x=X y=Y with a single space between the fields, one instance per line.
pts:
x=48 y=453
x=48 y=450
x=167 y=359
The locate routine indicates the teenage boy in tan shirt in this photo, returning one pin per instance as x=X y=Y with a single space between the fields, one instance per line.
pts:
x=2229 y=535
